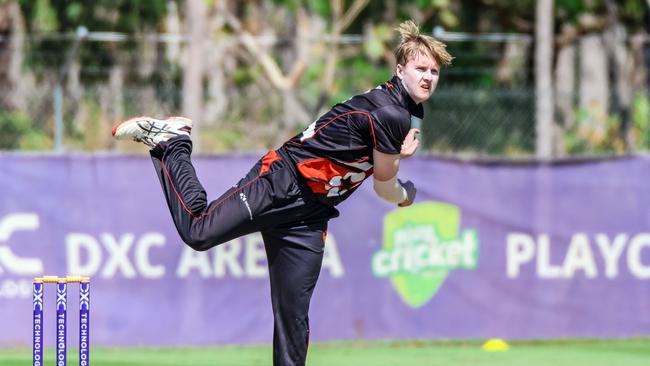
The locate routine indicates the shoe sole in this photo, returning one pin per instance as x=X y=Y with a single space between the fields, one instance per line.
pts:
x=129 y=121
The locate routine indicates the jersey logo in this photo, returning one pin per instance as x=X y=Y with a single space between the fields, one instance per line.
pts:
x=338 y=186
x=243 y=198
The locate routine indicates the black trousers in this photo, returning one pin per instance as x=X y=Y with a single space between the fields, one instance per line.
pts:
x=270 y=199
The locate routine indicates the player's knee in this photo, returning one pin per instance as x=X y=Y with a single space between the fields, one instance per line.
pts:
x=197 y=243
x=289 y=308
x=201 y=238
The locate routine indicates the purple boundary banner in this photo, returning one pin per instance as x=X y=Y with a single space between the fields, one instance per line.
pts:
x=489 y=250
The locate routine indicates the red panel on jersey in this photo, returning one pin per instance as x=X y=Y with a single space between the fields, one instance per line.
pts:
x=267 y=160
x=326 y=177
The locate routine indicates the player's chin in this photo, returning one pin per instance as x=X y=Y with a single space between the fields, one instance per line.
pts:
x=423 y=97
x=425 y=94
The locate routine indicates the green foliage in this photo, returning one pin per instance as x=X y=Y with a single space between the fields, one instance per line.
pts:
x=126 y=16
x=474 y=65
x=495 y=15
x=319 y=7
x=223 y=139
x=485 y=121
x=310 y=83
x=83 y=134
x=355 y=75
x=65 y=16
x=45 y=19
x=442 y=8
x=245 y=75
x=631 y=12
x=19 y=132
x=472 y=111
x=596 y=132
x=641 y=121
x=569 y=11
x=289 y=4
x=585 y=135
x=375 y=43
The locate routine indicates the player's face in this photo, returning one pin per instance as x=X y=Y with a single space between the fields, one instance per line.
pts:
x=419 y=76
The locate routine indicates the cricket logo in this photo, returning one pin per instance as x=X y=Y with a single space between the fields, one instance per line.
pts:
x=38 y=297
x=61 y=297
x=421 y=245
x=84 y=295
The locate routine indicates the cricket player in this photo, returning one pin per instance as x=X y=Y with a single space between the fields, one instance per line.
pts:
x=292 y=192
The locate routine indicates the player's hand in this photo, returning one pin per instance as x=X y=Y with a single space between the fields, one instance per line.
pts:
x=410 y=144
x=410 y=193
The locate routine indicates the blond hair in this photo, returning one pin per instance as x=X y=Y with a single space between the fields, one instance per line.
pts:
x=413 y=43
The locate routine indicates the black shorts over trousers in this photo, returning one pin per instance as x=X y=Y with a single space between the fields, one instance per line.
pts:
x=271 y=199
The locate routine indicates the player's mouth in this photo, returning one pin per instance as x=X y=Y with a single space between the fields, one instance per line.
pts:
x=426 y=87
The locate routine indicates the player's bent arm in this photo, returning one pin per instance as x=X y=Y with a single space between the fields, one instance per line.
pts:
x=385 y=182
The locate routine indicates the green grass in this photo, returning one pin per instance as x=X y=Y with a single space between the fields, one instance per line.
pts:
x=627 y=352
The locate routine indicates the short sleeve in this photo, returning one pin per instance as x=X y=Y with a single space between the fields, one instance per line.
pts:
x=391 y=124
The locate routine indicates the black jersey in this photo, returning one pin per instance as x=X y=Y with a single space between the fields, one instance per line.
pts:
x=334 y=153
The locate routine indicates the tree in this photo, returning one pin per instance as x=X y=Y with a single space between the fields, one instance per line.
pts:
x=12 y=79
x=544 y=90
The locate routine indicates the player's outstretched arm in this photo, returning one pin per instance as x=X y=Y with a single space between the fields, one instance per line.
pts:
x=386 y=184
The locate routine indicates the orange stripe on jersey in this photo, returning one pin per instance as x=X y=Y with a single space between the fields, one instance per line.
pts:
x=317 y=187
x=323 y=176
x=267 y=160
x=321 y=169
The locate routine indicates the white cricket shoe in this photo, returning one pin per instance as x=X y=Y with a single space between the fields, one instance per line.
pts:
x=152 y=131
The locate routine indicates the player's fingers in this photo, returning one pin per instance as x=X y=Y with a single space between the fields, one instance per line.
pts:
x=410 y=142
x=409 y=148
x=406 y=150
x=412 y=133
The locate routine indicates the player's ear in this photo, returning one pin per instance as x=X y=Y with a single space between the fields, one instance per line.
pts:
x=399 y=71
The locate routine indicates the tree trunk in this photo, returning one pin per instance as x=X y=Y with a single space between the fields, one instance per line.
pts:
x=543 y=79
x=514 y=57
x=646 y=44
x=340 y=22
x=13 y=89
x=217 y=98
x=195 y=23
x=594 y=88
x=294 y=111
x=615 y=39
x=111 y=98
x=173 y=26
x=565 y=82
